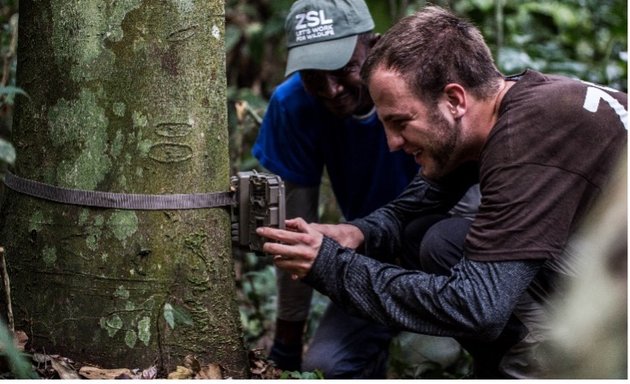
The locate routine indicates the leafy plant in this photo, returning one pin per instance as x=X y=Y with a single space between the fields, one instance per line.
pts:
x=315 y=375
x=586 y=39
x=176 y=315
x=258 y=297
x=8 y=90
x=19 y=366
x=7 y=94
x=7 y=152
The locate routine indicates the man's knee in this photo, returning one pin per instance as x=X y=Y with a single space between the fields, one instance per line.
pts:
x=443 y=245
x=345 y=346
x=413 y=236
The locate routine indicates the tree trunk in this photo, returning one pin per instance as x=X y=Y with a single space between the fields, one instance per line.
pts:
x=128 y=97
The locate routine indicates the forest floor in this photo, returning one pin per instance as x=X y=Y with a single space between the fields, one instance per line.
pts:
x=45 y=366
x=20 y=361
x=410 y=355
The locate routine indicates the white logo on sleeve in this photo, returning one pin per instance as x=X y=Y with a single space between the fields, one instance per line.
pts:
x=313 y=25
x=596 y=93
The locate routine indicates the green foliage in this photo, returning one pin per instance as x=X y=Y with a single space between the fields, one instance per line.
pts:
x=315 y=375
x=258 y=306
x=586 y=39
x=176 y=316
x=20 y=368
x=244 y=126
x=7 y=94
x=414 y=356
x=255 y=43
x=8 y=90
x=258 y=295
x=7 y=152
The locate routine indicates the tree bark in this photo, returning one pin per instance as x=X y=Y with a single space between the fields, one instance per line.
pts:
x=128 y=97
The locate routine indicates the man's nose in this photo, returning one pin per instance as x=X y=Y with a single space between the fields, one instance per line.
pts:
x=394 y=140
x=331 y=87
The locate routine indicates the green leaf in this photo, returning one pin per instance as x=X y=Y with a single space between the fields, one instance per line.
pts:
x=232 y=37
x=11 y=90
x=19 y=366
x=169 y=316
x=176 y=315
x=315 y=375
x=7 y=152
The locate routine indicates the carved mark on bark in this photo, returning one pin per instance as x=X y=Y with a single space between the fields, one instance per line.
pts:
x=170 y=152
x=182 y=34
x=173 y=129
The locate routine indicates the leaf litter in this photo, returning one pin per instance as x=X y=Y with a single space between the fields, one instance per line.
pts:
x=51 y=366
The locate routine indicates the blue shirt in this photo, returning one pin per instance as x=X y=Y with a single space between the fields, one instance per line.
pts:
x=299 y=137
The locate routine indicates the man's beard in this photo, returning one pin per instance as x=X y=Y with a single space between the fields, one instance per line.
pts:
x=443 y=151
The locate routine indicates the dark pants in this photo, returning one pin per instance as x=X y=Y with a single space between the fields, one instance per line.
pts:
x=345 y=346
x=441 y=248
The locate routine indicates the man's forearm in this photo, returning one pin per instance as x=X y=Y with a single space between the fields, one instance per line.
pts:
x=420 y=302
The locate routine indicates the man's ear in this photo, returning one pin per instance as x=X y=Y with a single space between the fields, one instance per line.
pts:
x=456 y=99
x=375 y=38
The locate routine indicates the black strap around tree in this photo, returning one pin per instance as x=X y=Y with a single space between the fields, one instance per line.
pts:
x=117 y=200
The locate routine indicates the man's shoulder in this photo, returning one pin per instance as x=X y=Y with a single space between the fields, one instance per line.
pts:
x=565 y=98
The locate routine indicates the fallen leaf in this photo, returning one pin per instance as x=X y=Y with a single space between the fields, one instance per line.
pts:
x=95 y=373
x=181 y=373
x=192 y=363
x=20 y=339
x=40 y=358
x=62 y=368
x=119 y=373
x=241 y=110
x=149 y=373
x=210 y=371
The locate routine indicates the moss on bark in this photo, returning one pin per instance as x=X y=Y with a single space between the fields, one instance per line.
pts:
x=125 y=96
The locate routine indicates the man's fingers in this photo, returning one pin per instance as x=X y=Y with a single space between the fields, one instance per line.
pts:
x=289 y=251
x=281 y=235
x=297 y=225
x=297 y=268
x=294 y=248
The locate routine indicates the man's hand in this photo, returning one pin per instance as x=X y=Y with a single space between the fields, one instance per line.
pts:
x=346 y=235
x=297 y=248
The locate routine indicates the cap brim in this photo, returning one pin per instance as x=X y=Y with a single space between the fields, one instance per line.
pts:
x=326 y=55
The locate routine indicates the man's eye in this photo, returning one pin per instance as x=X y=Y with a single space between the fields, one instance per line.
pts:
x=307 y=76
x=350 y=68
x=400 y=124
